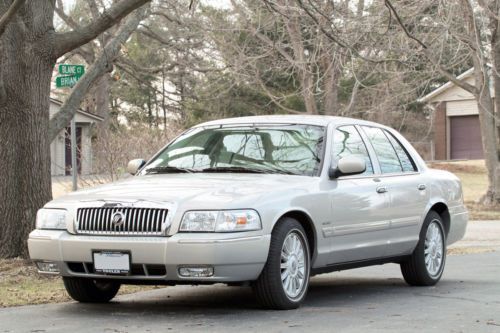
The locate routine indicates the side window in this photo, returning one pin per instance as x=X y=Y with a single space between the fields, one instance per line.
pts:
x=405 y=159
x=347 y=141
x=387 y=157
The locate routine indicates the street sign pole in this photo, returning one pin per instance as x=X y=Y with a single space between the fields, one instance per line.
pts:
x=74 y=166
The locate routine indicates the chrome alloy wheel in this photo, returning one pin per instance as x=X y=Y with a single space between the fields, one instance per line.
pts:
x=434 y=249
x=293 y=265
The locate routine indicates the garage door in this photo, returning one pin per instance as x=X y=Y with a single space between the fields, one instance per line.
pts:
x=465 y=138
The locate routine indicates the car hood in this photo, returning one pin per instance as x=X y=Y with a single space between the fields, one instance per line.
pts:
x=200 y=190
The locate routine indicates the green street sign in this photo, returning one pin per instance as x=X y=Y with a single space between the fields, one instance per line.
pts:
x=67 y=81
x=71 y=69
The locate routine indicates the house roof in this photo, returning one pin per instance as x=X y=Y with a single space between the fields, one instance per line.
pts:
x=441 y=89
x=80 y=111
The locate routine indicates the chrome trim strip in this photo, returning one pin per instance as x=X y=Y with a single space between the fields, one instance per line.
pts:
x=348 y=229
x=214 y=241
x=405 y=222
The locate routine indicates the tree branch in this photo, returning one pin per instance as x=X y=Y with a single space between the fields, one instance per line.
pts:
x=59 y=9
x=68 y=41
x=428 y=54
x=94 y=11
x=62 y=118
x=389 y=5
x=9 y=14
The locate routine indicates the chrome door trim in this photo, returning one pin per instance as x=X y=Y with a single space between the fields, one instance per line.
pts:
x=349 y=229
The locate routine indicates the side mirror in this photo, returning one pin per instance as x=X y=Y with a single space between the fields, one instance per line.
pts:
x=349 y=165
x=134 y=165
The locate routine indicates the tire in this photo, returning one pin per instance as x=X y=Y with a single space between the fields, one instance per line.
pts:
x=269 y=288
x=415 y=270
x=89 y=290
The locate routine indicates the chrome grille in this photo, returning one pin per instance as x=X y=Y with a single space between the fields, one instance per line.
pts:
x=137 y=221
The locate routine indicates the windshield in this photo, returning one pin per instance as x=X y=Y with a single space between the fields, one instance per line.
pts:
x=287 y=149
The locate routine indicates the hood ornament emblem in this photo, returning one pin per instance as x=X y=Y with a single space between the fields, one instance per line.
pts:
x=118 y=219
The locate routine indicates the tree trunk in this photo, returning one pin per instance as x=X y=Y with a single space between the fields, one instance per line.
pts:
x=489 y=140
x=489 y=123
x=329 y=64
x=97 y=101
x=29 y=48
x=25 y=73
x=331 y=75
x=103 y=87
x=292 y=23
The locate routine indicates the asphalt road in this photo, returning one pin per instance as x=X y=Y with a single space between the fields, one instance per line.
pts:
x=373 y=299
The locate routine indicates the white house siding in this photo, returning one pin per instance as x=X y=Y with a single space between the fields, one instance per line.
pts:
x=57 y=155
x=58 y=149
x=461 y=108
x=455 y=93
x=86 y=150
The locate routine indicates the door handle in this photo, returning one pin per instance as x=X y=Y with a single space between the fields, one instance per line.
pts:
x=421 y=187
x=381 y=189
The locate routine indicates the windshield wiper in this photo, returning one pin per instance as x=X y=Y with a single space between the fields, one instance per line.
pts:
x=168 y=169
x=233 y=169
x=246 y=170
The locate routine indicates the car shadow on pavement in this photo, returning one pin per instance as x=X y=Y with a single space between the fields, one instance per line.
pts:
x=324 y=292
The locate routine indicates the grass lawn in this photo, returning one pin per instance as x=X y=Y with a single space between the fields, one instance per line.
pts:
x=20 y=284
x=474 y=183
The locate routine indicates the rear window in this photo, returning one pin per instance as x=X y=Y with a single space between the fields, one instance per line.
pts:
x=387 y=156
x=407 y=162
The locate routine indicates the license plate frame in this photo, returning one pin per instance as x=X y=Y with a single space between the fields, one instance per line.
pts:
x=112 y=262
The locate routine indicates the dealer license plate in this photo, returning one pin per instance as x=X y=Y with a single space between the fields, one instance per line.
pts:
x=111 y=262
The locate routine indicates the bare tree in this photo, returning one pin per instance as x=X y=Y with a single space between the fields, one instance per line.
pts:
x=100 y=65
x=480 y=34
x=29 y=48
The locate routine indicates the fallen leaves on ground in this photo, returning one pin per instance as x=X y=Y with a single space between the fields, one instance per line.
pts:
x=469 y=250
x=20 y=284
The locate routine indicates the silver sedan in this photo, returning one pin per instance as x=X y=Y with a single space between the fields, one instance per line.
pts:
x=267 y=201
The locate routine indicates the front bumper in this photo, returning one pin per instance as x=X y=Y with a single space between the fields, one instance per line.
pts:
x=234 y=257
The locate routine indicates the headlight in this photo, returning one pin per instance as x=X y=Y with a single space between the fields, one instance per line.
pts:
x=221 y=221
x=51 y=219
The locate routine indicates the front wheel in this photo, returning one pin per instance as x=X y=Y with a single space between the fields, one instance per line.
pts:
x=90 y=290
x=284 y=280
x=426 y=265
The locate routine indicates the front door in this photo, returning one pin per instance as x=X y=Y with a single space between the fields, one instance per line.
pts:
x=359 y=205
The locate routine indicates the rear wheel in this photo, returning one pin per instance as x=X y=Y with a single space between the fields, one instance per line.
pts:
x=426 y=265
x=90 y=290
x=284 y=280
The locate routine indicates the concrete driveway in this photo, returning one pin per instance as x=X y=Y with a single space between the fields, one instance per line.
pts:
x=373 y=299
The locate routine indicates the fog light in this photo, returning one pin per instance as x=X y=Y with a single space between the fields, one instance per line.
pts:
x=47 y=267
x=196 y=271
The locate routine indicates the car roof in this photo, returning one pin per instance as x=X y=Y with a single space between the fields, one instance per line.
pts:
x=317 y=120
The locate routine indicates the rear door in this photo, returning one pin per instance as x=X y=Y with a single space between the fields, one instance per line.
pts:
x=359 y=205
x=406 y=189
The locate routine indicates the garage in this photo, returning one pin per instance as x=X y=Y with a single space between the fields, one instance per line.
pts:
x=455 y=121
x=465 y=138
